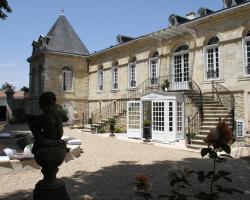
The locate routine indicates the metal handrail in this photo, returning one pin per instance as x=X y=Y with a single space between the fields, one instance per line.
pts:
x=195 y=121
x=226 y=98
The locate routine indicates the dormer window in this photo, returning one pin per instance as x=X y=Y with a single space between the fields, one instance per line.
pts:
x=228 y=3
x=212 y=58
x=67 y=79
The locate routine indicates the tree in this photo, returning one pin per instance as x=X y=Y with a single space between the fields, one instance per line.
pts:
x=4 y=8
x=6 y=86
x=25 y=89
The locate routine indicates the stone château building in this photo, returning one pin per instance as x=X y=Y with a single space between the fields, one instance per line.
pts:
x=182 y=78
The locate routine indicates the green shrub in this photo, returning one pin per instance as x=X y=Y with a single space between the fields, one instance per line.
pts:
x=19 y=115
x=101 y=130
x=119 y=130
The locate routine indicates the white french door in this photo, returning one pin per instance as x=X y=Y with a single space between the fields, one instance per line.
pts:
x=154 y=71
x=134 y=129
x=158 y=120
x=164 y=120
x=181 y=71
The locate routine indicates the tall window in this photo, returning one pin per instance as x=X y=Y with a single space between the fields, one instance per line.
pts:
x=212 y=58
x=181 y=62
x=247 y=54
x=132 y=74
x=153 y=62
x=67 y=79
x=115 y=77
x=100 y=78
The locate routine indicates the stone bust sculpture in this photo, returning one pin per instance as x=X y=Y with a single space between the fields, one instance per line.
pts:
x=49 y=150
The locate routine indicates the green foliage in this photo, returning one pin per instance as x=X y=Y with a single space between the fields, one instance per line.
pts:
x=90 y=120
x=146 y=123
x=119 y=130
x=193 y=135
x=22 y=141
x=165 y=84
x=25 y=89
x=6 y=85
x=101 y=130
x=19 y=115
x=218 y=140
x=112 y=121
x=4 y=8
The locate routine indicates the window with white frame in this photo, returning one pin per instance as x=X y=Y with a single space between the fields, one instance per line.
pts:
x=154 y=71
x=181 y=64
x=179 y=116
x=212 y=58
x=132 y=74
x=239 y=128
x=247 y=54
x=67 y=77
x=115 y=77
x=100 y=78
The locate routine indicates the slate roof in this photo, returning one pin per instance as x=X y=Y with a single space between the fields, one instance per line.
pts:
x=64 y=39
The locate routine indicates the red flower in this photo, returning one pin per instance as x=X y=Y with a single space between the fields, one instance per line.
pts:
x=221 y=135
x=141 y=183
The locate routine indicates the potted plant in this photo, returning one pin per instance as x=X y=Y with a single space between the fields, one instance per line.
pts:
x=190 y=84
x=146 y=130
x=112 y=123
x=165 y=85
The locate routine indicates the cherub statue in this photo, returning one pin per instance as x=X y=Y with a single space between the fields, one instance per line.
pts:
x=47 y=128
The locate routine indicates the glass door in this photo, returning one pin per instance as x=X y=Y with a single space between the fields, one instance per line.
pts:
x=134 y=119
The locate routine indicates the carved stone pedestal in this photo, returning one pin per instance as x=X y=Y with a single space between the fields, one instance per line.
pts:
x=50 y=188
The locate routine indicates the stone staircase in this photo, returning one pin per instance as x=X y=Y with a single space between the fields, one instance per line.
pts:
x=213 y=111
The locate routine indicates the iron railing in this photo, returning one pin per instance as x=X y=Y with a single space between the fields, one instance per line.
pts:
x=226 y=98
x=195 y=121
x=170 y=82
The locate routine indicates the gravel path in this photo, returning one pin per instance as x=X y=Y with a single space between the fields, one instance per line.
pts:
x=107 y=168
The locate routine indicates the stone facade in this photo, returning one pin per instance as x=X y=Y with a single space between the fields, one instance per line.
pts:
x=230 y=25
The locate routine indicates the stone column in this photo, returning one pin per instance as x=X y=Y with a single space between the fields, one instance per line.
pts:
x=9 y=98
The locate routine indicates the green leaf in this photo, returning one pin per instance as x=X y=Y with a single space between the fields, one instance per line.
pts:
x=201 y=176
x=226 y=148
x=226 y=155
x=212 y=154
x=210 y=174
x=204 y=152
x=223 y=173
x=228 y=179
x=172 y=183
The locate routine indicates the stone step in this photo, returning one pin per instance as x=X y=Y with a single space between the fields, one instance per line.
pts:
x=200 y=137
x=214 y=119
x=196 y=147
x=198 y=142
x=216 y=111
x=213 y=106
x=216 y=115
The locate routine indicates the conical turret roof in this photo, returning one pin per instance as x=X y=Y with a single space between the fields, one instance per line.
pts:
x=64 y=39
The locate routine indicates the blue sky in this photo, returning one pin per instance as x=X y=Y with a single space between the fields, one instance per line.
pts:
x=97 y=22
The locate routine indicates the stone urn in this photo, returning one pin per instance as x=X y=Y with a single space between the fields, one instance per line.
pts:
x=49 y=158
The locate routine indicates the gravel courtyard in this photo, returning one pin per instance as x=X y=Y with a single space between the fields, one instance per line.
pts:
x=107 y=167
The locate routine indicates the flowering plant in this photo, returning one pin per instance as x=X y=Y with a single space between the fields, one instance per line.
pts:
x=219 y=139
x=142 y=187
